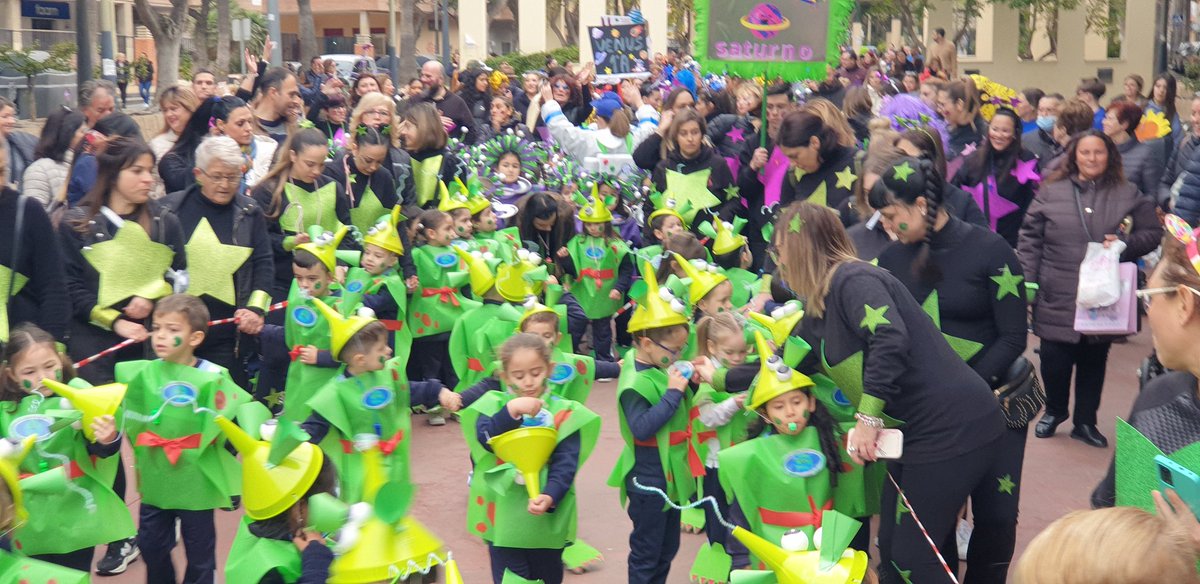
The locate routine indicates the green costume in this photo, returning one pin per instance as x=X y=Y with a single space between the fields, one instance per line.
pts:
x=360 y=283
x=677 y=444
x=477 y=337
x=368 y=211
x=307 y=208
x=782 y=483
x=6 y=276
x=596 y=262
x=502 y=243
x=169 y=410
x=733 y=432
x=97 y=515
x=252 y=557
x=305 y=326
x=438 y=303
x=649 y=253
x=21 y=570
x=498 y=506
x=375 y=403
x=572 y=376
x=745 y=285
x=426 y=174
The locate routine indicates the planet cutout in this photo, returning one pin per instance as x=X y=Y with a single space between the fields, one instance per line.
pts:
x=765 y=21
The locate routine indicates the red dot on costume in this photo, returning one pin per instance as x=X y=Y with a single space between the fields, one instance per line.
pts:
x=17 y=544
x=420 y=330
x=395 y=375
x=491 y=513
x=219 y=400
x=22 y=580
x=483 y=248
x=425 y=319
x=581 y=367
x=481 y=527
x=52 y=581
x=479 y=500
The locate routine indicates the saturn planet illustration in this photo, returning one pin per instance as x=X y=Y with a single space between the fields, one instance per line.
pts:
x=765 y=21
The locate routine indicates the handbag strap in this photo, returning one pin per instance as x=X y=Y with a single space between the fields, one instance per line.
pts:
x=18 y=227
x=1079 y=207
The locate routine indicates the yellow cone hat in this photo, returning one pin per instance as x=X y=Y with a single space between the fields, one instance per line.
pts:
x=476 y=202
x=667 y=205
x=324 y=245
x=528 y=449
x=804 y=567
x=774 y=377
x=726 y=237
x=94 y=402
x=481 y=268
x=532 y=307
x=341 y=329
x=702 y=277
x=782 y=321
x=659 y=308
x=11 y=456
x=267 y=489
x=524 y=277
x=386 y=233
x=448 y=201
x=595 y=211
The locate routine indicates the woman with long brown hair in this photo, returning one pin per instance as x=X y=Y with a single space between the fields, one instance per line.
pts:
x=692 y=171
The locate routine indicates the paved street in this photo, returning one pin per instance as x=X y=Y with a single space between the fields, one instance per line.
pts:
x=1059 y=476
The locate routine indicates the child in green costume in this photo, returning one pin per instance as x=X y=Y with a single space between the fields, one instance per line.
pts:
x=369 y=396
x=783 y=481
x=15 y=568
x=502 y=243
x=34 y=369
x=601 y=266
x=184 y=471
x=660 y=448
x=437 y=303
x=731 y=252
x=664 y=222
x=280 y=473
x=525 y=508
x=379 y=283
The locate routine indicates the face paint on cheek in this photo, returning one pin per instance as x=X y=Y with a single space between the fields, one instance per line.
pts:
x=805 y=414
x=903 y=226
x=664 y=361
x=28 y=385
x=382 y=359
x=317 y=286
x=58 y=374
x=176 y=341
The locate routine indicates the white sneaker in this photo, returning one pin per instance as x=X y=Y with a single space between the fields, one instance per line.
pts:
x=436 y=419
x=963 y=535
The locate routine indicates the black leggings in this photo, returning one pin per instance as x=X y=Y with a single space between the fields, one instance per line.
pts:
x=990 y=475
x=1088 y=361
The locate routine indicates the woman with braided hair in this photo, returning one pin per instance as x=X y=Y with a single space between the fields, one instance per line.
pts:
x=978 y=300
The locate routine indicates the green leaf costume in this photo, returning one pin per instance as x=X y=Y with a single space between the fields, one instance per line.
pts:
x=745 y=285
x=375 y=403
x=782 y=483
x=368 y=211
x=169 y=410
x=14 y=568
x=426 y=174
x=572 y=376
x=678 y=448
x=596 y=263
x=97 y=515
x=359 y=283
x=477 y=337
x=305 y=326
x=251 y=557
x=649 y=253
x=307 y=208
x=497 y=509
x=733 y=432
x=438 y=303
x=502 y=243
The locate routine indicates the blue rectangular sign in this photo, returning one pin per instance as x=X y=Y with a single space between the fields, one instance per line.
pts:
x=48 y=10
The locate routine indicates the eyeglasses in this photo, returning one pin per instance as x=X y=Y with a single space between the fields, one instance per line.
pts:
x=378 y=112
x=229 y=179
x=674 y=353
x=562 y=86
x=1146 y=295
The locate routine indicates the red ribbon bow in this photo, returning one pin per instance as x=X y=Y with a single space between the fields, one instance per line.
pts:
x=794 y=519
x=385 y=446
x=445 y=294
x=598 y=275
x=695 y=464
x=172 y=447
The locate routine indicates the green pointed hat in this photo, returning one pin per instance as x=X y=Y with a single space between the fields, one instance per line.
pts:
x=668 y=205
x=476 y=201
x=726 y=237
x=774 y=377
x=324 y=244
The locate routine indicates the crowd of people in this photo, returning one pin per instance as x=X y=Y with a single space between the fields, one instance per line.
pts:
x=770 y=271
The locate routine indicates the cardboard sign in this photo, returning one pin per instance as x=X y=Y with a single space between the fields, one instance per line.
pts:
x=621 y=51
x=794 y=39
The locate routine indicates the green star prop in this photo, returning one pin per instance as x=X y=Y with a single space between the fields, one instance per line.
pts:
x=1006 y=484
x=214 y=274
x=368 y=212
x=732 y=192
x=275 y=398
x=305 y=208
x=903 y=171
x=6 y=275
x=846 y=178
x=353 y=178
x=795 y=224
x=690 y=188
x=129 y=265
x=905 y=575
x=874 y=317
x=819 y=196
x=1008 y=283
x=965 y=349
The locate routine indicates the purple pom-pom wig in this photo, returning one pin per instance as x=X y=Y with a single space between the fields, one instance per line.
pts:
x=907 y=112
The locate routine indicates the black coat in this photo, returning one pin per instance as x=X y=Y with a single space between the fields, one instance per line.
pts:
x=43 y=300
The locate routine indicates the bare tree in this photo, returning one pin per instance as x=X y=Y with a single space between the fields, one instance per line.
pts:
x=408 y=41
x=167 y=30
x=308 y=31
x=224 y=36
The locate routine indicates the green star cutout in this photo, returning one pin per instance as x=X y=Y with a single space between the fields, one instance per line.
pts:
x=130 y=264
x=305 y=208
x=1006 y=484
x=732 y=192
x=905 y=575
x=690 y=188
x=213 y=275
x=846 y=178
x=1008 y=283
x=901 y=509
x=903 y=171
x=274 y=399
x=353 y=178
x=966 y=349
x=874 y=317
x=819 y=196
x=795 y=224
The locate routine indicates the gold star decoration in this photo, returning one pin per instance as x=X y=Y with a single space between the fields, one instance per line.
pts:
x=903 y=171
x=130 y=264
x=215 y=263
x=845 y=178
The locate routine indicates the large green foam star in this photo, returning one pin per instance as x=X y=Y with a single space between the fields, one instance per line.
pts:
x=966 y=349
x=130 y=264
x=873 y=317
x=368 y=212
x=846 y=178
x=690 y=188
x=1008 y=283
x=214 y=263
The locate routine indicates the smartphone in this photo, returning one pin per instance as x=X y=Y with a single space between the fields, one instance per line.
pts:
x=889 y=443
x=1174 y=476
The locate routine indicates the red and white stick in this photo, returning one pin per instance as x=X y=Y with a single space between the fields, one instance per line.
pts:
x=921 y=526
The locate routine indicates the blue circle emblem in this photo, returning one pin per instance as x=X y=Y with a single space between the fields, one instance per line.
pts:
x=804 y=463
x=377 y=398
x=446 y=260
x=840 y=398
x=562 y=373
x=594 y=252
x=304 y=316
x=32 y=425
x=179 y=394
x=542 y=419
x=354 y=286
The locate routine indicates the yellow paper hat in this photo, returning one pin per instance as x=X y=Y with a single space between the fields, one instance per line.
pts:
x=726 y=237
x=270 y=489
x=481 y=267
x=659 y=308
x=386 y=233
x=667 y=205
x=702 y=277
x=782 y=321
x=341 y=329
x=595 y=211
x=94 y=402
x=525 y=277
x=11 y=455
x=476 y=202
x=774 y=377
x=448 y=201
x=806 y=567
x=324 y=245
x=532 y=307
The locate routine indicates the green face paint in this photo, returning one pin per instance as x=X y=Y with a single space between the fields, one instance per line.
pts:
x=792 y=427
x=177 y=341
x=58 y=374
x=26 y=384
x=382 y=359
x=776 y=421
x=665 y=361
x=903 y=226
x=317 y=286
x=805 y=414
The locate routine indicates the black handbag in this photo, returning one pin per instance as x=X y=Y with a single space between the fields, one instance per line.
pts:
x=1021 y=395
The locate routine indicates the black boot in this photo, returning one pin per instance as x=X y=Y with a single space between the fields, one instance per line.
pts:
x=1048 y=425
x=1088 y=434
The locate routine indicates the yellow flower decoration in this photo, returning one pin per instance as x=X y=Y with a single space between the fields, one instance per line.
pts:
x=497 y=80
x=994 y=95
x=1154 y=125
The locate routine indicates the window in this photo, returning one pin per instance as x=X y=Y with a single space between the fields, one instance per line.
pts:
x=968 y=24
x=1116 y=30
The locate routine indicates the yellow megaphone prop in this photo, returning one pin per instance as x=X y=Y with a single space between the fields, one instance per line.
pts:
x=528 y=449
x=453 y=575
x=94 y=402
x=804 y=567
